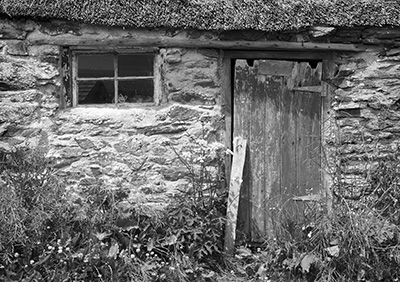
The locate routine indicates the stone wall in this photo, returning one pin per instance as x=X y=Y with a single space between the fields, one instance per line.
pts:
x=367 y=118
x=146 y=150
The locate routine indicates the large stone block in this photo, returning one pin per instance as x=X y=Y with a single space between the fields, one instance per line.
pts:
x=193 y=78
x=14 y=29
x=21 y=74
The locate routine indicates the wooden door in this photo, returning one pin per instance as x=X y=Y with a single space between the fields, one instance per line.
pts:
x=277 y=108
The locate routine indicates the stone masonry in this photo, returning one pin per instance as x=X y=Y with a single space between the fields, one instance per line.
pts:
x=141 y=148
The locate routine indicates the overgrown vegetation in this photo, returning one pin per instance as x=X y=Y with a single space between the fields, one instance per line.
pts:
x=98 y=234
x=359 y=240
x=49 y=234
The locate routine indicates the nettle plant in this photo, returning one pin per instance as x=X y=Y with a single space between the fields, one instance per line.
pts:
x=100 y=234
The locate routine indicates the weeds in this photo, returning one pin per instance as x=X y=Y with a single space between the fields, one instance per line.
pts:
x=358 y=241
x=98 y=234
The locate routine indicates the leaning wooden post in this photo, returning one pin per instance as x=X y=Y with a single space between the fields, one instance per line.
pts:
x=239 y=156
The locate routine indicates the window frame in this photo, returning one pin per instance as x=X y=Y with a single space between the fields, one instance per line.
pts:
x=156 y=77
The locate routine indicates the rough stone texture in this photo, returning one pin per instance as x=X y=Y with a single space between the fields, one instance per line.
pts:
x=22 y=74
x=147 y=149
x=366 y=104
x=142 y=149
x=191 y=76
x=138 y=149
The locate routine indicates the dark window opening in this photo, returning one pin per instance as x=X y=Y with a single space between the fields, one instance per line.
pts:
x=114 y=78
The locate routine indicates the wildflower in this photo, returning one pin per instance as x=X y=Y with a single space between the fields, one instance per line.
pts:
x=138 y=250
x=31 y=261
x=16 y=255
x=99 y=275
x=132 y=256
x=67 y=249
x=59 y=251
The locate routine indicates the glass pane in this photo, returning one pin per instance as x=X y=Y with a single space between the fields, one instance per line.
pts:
x=101 y=65
x=136 y=91
x=96 y=91
x=135 y=65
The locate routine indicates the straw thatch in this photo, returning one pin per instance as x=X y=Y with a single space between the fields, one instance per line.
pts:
x=266 y=15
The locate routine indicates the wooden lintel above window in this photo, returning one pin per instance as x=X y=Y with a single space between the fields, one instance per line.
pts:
x=149 y=41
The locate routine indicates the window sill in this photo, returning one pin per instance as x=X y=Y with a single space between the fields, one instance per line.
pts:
x=118 y=106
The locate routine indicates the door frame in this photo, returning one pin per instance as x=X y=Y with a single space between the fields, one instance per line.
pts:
x=328 y=72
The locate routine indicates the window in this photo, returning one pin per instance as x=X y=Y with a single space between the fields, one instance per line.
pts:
x=113 y=78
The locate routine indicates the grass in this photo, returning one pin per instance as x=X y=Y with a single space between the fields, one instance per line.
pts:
x=102 y=236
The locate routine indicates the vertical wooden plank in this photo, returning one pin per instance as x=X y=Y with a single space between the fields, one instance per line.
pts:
x=328 y=72
x=289 y=152
x=115 y=79
x=159 y=96
x=309 y=144
x=257 y=152
x=242 y=101
x=227 y=107
x=75 y=90
x=309 y=133
x=65 y=77
x=272 y=152
x=239 y=154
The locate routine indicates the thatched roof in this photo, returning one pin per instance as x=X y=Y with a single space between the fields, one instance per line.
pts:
x=266 y=15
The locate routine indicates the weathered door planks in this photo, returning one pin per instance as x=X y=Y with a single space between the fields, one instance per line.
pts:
x=272 y=149
x=235 y=183
x=257 y=156
x=242 y=106
x=282 y=126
